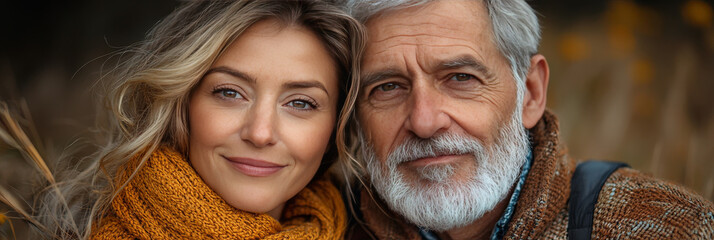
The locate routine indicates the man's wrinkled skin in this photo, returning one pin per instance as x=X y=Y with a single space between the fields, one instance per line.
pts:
x=433 y=69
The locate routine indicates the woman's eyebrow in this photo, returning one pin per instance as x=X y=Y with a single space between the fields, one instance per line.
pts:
x=233 y=72
x=305 y=84
x=296 y=84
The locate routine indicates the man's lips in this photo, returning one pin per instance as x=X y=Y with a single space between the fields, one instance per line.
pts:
x=441 y=159
x=254 y=167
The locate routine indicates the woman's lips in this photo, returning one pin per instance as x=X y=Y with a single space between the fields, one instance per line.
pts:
x=254 y=167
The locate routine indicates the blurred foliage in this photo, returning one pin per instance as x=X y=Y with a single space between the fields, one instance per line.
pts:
x=631 y=80
x=697 y=13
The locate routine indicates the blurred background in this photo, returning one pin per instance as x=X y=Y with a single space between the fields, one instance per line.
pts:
x=631 y=81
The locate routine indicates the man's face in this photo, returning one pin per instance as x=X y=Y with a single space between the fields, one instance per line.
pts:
x=431 y=70
x=438 y=111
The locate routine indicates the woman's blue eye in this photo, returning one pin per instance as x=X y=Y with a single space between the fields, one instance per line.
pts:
x=388 y=87
x=300 y=105
x=461 y=77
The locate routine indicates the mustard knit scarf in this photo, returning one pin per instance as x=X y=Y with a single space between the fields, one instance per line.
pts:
x=168 y=200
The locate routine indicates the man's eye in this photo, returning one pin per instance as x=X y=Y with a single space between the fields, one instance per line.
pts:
x=388 y=87
x=462 y=77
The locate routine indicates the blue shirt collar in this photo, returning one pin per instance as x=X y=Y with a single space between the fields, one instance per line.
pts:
x=502 y=224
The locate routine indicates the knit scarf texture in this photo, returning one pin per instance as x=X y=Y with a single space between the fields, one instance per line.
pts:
x=167 y=199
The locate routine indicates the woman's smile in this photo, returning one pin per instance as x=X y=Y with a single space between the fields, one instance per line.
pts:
x=254 y=167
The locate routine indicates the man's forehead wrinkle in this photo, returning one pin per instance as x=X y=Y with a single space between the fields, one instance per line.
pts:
x=411 y=70
x=449 y=22
x=421 y=26
x=387 y=48
x=419 y=38
x=429 y=29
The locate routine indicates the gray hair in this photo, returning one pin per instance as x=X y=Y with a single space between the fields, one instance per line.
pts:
x=515 y=27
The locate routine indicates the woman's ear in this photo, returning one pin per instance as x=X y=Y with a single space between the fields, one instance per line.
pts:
x=536 y=91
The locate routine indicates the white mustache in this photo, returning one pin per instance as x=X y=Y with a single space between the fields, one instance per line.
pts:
x=445 y=144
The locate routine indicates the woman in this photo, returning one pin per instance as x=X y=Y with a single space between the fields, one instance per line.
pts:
x=226 y=119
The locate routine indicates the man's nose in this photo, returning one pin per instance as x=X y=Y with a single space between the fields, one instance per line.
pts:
x=259 y=128
x=426 y=116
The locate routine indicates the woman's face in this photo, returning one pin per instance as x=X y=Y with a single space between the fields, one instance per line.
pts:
x=261 y=118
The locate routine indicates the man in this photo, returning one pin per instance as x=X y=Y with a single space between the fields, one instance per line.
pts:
x=457 y=143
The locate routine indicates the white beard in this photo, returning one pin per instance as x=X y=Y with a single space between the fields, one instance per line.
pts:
x=443 y=203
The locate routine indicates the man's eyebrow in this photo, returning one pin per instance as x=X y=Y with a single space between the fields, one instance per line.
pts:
x=305 y=84
x=370 y=78
x=467 y=62
x=232 y=72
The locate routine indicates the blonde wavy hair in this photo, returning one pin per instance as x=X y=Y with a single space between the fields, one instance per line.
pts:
x=149 y=91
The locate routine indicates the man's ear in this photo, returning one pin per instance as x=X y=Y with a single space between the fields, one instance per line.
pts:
x=536 y=91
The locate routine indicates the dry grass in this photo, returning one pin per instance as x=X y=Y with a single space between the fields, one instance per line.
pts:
x=12 y=134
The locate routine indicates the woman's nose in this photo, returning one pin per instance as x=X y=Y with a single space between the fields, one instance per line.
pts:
x=259 y=128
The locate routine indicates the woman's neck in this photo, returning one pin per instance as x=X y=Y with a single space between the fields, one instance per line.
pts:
x=277 y=212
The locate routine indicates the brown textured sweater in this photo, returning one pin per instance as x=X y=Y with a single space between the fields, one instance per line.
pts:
x=631 y=205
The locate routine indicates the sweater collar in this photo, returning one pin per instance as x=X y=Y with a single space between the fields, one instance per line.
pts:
x=503 y=222
x=167 y=199
x=547 y=186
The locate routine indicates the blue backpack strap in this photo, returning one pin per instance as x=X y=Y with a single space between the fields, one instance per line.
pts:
x=588 y=179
